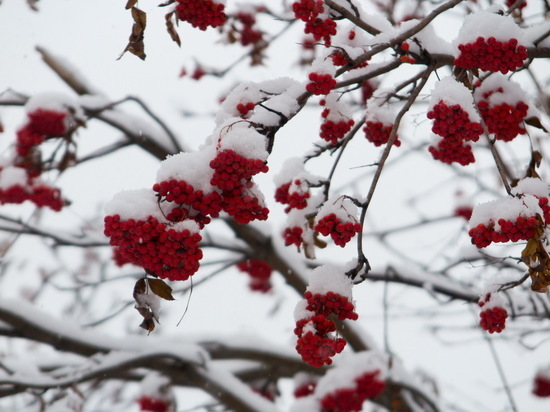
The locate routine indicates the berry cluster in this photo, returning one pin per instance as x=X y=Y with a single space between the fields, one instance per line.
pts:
x=259 y=272
x=379 y=133
x=452 y=151
x=38 y=193
x=320 y=83
x=491 y=55
x=504 y=120
x=464 y=212
x=230 y=168
x=293 y=236
x=330 y=304
x=151 y=404
x=244 y=204
x=178 y=191
x=492 y=318
x=165 y=251
x=245 y=108
x=523 y=228
x=453 y=124
x=202 y=13
x=294 y=194
x=333 y=131
x=541 y=385
x=315 y=345
x=367 y=386
x=311 y=12
x=367 y=90
x=340 y=232
x=248 y=34
x=41 y=124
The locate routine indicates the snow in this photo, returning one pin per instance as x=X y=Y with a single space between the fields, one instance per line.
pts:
x=348 y=368
x=511 y=92
x=452 y=92
x=13 y=176
x=134 y=204
x=533 y=186
x=339 y=110
x=192 y=167
x=508 y=208
x=376 y=112
x=342 y=207
x=487 y=24
x=157 y=386
x=238 y=135
x=300 y=312
x=293 y=168
x=330 y=278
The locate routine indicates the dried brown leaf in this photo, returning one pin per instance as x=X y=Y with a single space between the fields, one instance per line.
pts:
x=136 y=45
x=535 y=122
x=130 y=4
x=171 y=29
x=161 y=289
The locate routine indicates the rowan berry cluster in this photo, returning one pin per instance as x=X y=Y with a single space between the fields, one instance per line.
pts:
x=541 y=385
x=378 y=133
x=314 y=344
x=492 y=317
x=201 y=14
x=367 y=386
x=491 y=55
x=151 y=404
x=504 y=120
x=330 y=303
x=453 y=124
x=333 y=131
x=523 y=228
x=320 y=83
x=38 y=193
x=318 y=24
x=464 y=212
x=293 y=236
x=230 y=169
x=41 y=124
x=294 y=194
x=259 y=272
x=340 y=231
x=165 y=250
x=248 y=34
x=245 y=108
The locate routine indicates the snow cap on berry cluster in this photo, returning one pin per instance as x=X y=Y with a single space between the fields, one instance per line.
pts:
x=57 y=102
x=452 y=92
x=13 y=176
x=349 y=368
x=306 y=404
x=338 y=110
x=487 y=24
x=134 y=204
x=507 y=91
x=323 y=65
x=377 y=113
x=342 y=207
x=352 y=44
x=247 y=92
x=330 y=278
x=238 y=135
x=533 y=186
x=192 y=167
x=508 y=208
x=292 y=169
x=158 y=387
